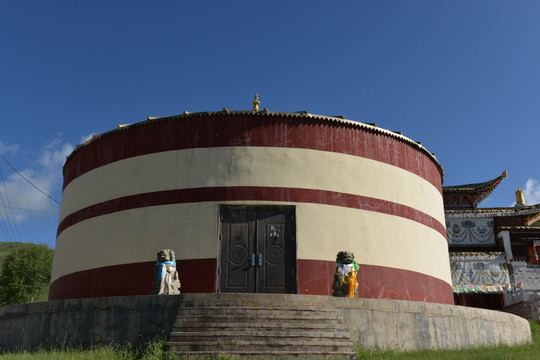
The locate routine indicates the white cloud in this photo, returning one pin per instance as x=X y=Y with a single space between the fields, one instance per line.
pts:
x=532 y=192
x=53 y=155
x=8 y=150
x=45 y=172
x=85 y=138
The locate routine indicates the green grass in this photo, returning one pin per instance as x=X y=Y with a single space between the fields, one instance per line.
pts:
x=155 y=350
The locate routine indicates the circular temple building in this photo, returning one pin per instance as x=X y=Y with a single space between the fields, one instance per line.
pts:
x=252 y=201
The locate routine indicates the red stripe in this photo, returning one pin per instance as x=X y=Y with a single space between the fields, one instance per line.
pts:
x=199 y=276
x=250 y=194
x=196 y=276
x=315 y=277
x=251 y=130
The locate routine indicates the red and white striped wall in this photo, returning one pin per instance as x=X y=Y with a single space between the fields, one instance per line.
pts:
x=158 y=184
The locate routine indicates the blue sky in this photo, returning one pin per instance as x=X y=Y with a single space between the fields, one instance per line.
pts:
x=462 y=77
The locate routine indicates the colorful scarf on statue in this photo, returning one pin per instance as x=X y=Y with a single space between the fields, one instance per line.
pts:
x=161 y=268
x=345 y=269
x=347 y=275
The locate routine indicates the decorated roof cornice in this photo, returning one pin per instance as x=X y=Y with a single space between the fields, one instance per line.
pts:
x=527 y=211
x=522 y=229
x=473 y=253
x=533 y=218
x=475 y=192
x=478 y=186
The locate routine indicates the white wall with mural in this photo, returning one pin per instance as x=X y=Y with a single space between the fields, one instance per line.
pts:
x=470 y=232
x=479 y=272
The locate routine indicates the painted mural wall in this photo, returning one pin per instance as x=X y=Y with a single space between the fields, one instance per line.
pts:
x=470 y=232
x=479 y=272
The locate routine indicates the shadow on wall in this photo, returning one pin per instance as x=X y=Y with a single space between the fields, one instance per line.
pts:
x=87 y=322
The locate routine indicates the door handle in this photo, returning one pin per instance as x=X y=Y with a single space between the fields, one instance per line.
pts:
x=252 y=259
x=260 y=259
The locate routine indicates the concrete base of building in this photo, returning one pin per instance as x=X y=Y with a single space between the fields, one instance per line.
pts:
x=411 y=325
x=373 y=324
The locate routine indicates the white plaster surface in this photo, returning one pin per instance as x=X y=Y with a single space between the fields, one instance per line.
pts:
x=252 y=166
x=190 y=229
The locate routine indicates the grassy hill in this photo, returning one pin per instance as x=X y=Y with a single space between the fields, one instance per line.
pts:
x=5 y=248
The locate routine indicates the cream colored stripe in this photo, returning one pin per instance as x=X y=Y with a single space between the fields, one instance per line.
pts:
x=252 y=166
x=191 y=230
x=136 y=235
x=375 y=239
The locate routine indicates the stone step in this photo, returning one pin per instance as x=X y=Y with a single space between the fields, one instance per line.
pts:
x=258 y=345
x=261 y=309
x=269 y=354
x=250 y=326
x=213 y=334
x=280 y=340
x=261 y=312
x=304 y=322
x=257 y=300
x=258 y=318
x=262 y=325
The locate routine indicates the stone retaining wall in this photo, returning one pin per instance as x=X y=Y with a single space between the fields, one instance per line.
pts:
x=408 y=325
x=87 y=322
x=401 y=325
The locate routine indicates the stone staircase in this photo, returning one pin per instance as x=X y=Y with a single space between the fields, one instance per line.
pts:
x=260 y=325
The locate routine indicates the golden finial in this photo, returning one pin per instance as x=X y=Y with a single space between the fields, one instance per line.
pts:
x=504 y=174
x=256 y=103
x=520 y=198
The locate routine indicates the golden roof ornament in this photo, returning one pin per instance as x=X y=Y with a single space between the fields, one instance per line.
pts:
x=256 y=103
x=520 y=198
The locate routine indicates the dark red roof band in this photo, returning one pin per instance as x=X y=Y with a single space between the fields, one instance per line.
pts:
x=251 y=130
x=251 y=193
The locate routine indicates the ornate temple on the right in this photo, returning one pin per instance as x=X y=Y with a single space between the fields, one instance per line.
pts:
x=494 y=252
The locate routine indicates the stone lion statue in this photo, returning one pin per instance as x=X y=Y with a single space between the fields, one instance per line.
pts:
x=344 y=284
x=166 y=281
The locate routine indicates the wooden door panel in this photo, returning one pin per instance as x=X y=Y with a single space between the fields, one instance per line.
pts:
x=272 y=247
x=238 y=256
x=266 y=232
x=238 y=232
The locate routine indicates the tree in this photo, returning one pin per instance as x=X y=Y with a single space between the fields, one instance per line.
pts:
x=26 y=273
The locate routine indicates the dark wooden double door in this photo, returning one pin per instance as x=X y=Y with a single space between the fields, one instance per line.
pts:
x=258 y=249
